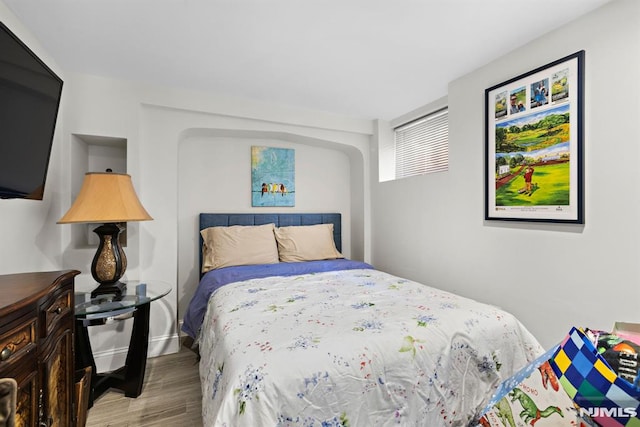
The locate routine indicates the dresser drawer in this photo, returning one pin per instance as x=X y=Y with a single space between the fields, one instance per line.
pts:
x=16 y=342
x=54 y=310
x=36 y=339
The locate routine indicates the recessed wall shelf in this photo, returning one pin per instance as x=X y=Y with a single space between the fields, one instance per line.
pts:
x=93 y=153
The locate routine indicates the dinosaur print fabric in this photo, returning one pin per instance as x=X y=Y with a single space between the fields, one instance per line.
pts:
x=353 y=348
x=533 y=397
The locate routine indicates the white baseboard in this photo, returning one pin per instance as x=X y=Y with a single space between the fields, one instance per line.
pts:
x=180 y=331
x=107 y=361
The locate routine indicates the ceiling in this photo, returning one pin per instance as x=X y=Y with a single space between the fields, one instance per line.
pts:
x=361 y=58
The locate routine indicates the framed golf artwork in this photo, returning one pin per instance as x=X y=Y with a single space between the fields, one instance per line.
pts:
x=534 y=145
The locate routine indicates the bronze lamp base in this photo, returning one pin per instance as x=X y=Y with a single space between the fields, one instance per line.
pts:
x=109 y=262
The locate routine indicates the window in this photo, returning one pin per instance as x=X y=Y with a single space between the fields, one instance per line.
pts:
x=421 y=146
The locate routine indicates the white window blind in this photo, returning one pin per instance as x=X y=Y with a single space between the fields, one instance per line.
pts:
x=422 y=145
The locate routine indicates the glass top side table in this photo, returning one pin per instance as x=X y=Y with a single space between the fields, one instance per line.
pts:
x=135 y=303
x=136 y=294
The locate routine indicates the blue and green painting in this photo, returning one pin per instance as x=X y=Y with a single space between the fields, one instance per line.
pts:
x=273 y=176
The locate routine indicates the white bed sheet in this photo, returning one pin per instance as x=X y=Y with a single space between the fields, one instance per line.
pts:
x=353 y=348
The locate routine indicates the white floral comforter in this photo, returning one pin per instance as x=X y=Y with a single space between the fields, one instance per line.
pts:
x=353 y=348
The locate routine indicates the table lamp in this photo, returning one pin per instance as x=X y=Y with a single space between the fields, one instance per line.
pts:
x=108 y=198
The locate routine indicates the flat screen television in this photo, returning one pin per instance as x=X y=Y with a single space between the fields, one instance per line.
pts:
x=29 y=100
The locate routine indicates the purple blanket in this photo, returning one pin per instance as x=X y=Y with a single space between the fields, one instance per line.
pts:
x=215 y=279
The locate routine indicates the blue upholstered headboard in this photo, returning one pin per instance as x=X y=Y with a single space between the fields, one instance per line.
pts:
x=280 y=220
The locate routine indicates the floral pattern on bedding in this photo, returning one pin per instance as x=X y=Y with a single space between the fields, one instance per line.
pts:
x=353 y=348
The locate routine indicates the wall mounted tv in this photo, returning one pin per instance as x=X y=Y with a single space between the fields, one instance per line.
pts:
x=29 y=100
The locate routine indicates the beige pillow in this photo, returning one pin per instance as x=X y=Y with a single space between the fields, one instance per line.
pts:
x=238 y=245
x=306 y=243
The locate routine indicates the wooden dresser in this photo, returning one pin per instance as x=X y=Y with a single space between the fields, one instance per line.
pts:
x=36 y=345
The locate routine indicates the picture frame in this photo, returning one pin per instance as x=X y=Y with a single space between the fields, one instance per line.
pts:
x=273 y=180
x=534 y=157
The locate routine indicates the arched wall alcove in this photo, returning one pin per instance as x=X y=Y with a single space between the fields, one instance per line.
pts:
x=214 y=176
x=201 y=163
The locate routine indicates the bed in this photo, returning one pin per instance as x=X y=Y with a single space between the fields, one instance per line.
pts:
x=335 y=342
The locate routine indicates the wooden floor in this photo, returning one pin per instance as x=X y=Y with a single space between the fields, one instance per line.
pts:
x=171 y=397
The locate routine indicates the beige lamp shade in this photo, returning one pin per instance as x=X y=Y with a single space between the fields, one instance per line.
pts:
x=106 y=197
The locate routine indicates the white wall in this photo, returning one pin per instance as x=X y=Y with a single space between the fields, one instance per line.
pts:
x=431 y=228
x=177 y=142
x=30 y=236
x=214 y=176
